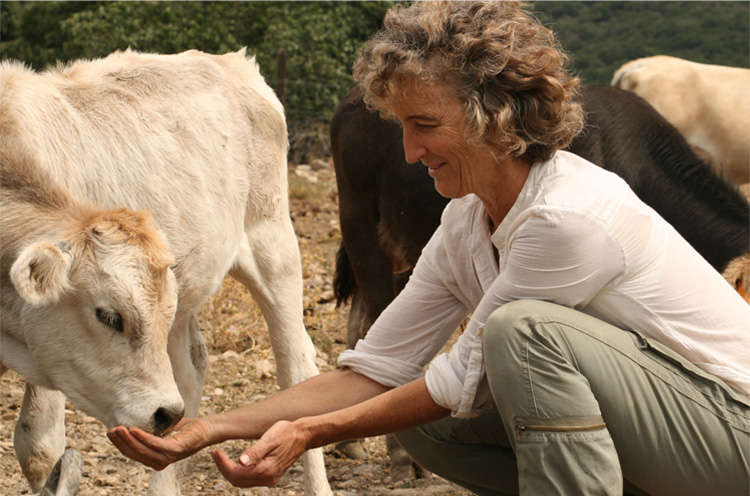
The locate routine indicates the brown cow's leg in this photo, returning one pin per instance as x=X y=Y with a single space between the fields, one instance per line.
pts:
x=402 y=465
x=354 y=449
x=269 y=266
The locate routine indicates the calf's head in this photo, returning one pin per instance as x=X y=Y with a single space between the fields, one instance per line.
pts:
x=98 y=303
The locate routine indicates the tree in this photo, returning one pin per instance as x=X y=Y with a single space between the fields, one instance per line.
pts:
x=320 y=41
x=30 y=31
x=601 y=36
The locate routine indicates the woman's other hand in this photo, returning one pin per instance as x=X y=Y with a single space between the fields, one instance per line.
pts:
x=187 y=437
x=266 y=461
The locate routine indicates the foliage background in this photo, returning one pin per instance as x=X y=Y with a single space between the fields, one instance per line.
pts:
x=320 y=40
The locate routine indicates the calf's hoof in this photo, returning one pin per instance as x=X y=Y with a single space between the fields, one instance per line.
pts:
x=66 y=475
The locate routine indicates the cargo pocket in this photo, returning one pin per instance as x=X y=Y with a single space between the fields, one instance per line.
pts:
x=573 y=455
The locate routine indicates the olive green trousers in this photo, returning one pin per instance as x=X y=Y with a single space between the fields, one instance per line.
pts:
x=582 y=408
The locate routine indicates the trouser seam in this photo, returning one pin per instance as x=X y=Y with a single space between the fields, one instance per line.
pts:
x=529 y=381
x=657 y=375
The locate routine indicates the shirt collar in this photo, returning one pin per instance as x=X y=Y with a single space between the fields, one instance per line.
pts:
x=525 y=198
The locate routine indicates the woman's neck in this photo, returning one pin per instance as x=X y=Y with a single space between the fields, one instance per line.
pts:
x=500 y=193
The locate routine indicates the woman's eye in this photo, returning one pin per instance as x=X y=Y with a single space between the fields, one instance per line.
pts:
x=424 y=125
x=110 y=319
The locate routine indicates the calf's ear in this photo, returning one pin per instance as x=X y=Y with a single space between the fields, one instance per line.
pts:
x=40 y=273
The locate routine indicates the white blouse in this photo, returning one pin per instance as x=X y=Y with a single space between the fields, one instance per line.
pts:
x=577 y=236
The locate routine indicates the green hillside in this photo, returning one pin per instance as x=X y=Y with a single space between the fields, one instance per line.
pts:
x=601 y=36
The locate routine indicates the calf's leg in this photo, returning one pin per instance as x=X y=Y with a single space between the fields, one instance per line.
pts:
x=189 y=358
x=269 y=265
x=39 y=436
x=65 y=477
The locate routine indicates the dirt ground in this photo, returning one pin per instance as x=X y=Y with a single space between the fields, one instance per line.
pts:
x=242 y=370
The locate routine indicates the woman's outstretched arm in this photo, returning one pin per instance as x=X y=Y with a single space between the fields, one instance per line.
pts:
x=264 y=463
x=320 y=394
x=328 y=392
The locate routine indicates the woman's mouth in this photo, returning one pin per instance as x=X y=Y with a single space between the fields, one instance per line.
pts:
x=432 y=169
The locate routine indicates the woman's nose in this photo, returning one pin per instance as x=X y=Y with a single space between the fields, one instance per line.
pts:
x=413 y=148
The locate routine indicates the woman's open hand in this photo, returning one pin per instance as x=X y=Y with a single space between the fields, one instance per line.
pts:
x=188 y=436
x=265 y=462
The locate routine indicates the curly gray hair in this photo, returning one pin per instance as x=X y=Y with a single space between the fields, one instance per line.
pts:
x=502 y=64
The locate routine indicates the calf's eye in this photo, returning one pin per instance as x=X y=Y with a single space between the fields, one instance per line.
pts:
x=110 y=319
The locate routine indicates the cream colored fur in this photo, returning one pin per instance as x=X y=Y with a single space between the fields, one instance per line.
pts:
x=200 y=141
x=62 y=259
x=709 y=104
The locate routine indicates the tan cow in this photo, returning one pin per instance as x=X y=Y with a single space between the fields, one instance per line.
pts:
x=200 y=141
x=737 y=272
x=709 y=104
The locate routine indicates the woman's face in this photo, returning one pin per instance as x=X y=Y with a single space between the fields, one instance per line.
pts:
x=434 y=133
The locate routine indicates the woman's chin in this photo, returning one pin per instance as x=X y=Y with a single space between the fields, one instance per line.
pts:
x=445 y=190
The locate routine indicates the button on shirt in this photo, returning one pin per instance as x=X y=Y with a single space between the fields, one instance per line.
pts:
x=577 y=236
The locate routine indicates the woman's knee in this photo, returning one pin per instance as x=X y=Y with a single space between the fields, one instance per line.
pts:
x=530 y=351
x=436 y=445
x=526 y=321
x=509 y=324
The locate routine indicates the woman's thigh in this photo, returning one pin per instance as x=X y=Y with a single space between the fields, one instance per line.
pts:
x=676 y=428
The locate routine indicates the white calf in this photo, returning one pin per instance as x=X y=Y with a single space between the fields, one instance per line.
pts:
x=200 y=141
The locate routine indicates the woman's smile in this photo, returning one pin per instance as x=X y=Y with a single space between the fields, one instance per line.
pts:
x=432 y=169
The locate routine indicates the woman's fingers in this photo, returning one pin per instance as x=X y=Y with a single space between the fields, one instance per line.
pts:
x=158 y=452
x=134 y=449
x=256 y=452
x=147 y=439
x=265 y=462
x=255 y=474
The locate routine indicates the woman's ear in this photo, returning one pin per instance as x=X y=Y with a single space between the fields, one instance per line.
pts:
x=40 y=273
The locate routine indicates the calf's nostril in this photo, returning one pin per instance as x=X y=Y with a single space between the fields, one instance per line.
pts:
x=164 y=418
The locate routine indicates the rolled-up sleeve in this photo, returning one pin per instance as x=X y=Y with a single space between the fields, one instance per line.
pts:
x=387 y=371
x=453 y=378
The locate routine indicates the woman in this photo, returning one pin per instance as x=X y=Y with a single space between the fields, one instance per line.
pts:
x=601 y=346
